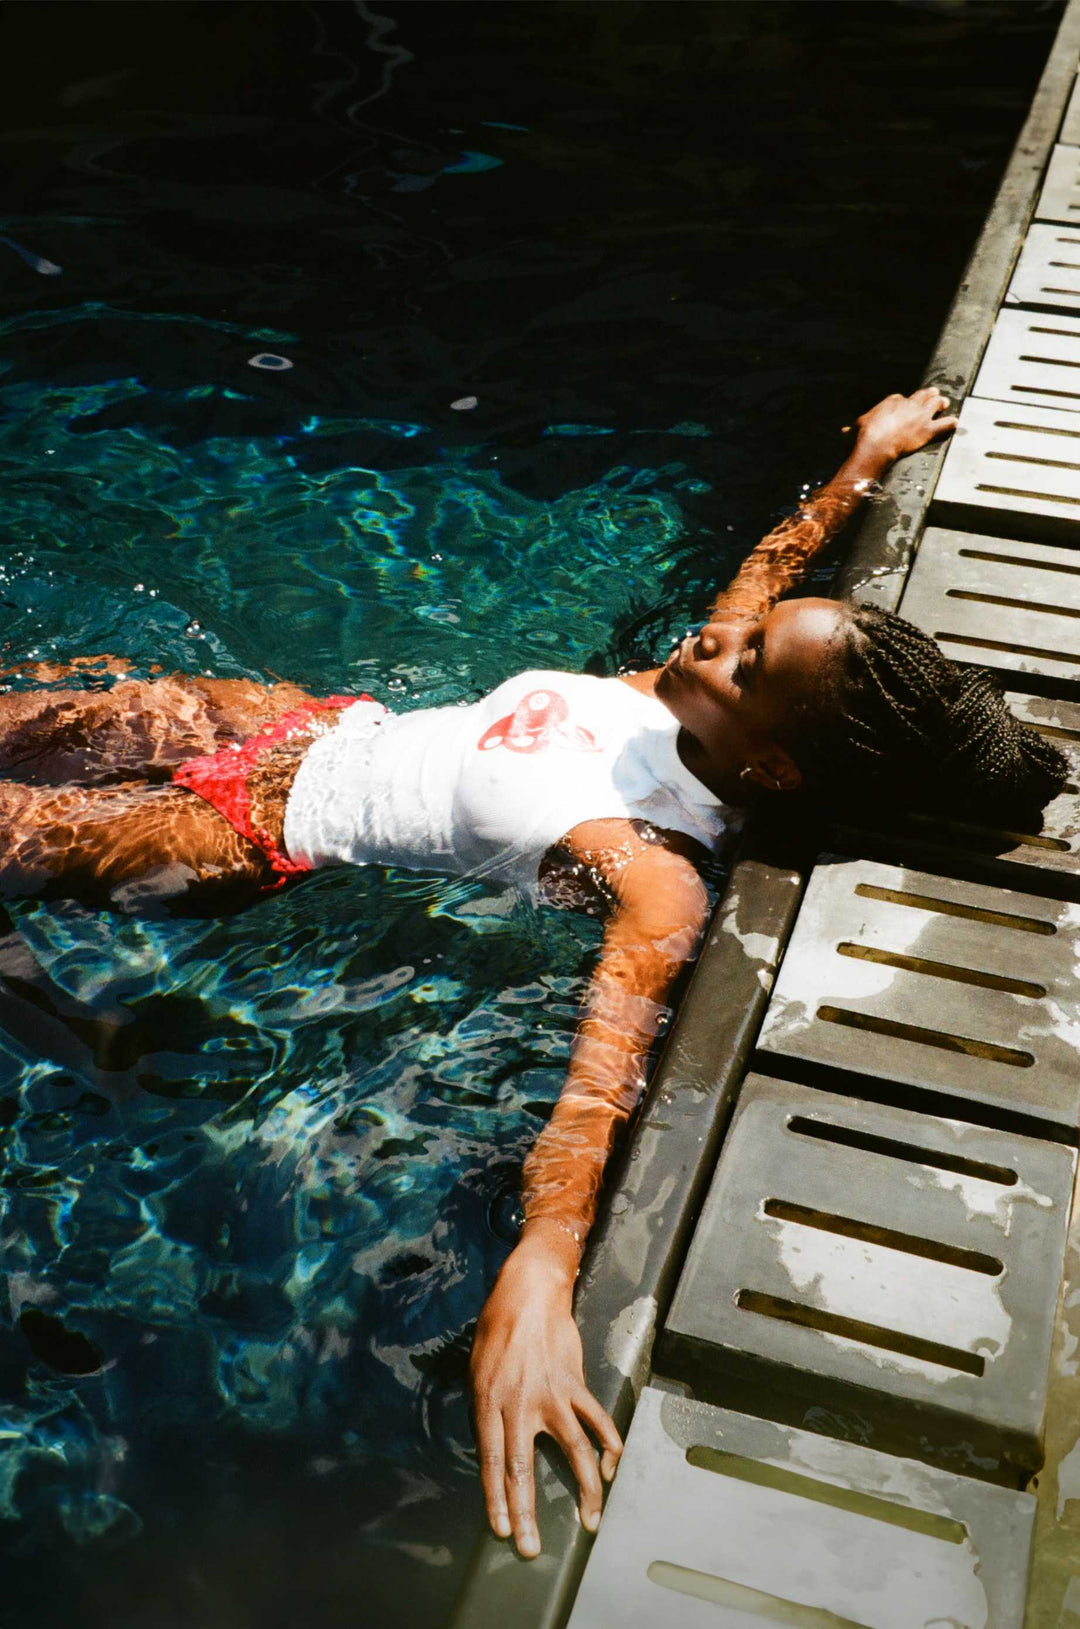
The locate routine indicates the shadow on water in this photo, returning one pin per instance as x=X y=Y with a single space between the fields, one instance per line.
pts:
x=393 y=351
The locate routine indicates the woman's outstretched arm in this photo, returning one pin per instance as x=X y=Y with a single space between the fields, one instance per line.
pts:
x=527 y=1370
x=897 y=425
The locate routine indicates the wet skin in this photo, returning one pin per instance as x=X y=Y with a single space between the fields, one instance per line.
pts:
x=87 y=808
x=737 y=688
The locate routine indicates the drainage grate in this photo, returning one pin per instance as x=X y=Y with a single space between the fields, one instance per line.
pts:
x=1059 y=199
x=1016 y=460
x=1048 y=271
x=717 y=1520
x=998 y=602
x=1033 y=360
x=896 y=1267
x=950 y=987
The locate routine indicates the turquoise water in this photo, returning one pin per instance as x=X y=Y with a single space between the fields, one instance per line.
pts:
x=260 y=1171
x=428 y=582
x=271 y=1190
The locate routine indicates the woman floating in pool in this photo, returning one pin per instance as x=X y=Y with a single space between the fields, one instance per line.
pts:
x=204 y=791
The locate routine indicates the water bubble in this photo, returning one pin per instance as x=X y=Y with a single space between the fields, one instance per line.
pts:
x=140 y=588
x=398 y=686
x=505 y=1215
x=194 y=628
x=270 y=362
x=464 y=404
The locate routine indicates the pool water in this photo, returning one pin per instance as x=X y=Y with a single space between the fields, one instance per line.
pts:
x=390 y=351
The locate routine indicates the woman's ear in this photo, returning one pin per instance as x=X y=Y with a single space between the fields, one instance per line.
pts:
x=775 y=769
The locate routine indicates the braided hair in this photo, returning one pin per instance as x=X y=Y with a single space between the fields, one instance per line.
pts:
x=894 y=722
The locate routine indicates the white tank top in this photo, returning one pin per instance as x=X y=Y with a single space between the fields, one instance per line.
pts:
x=490 y=787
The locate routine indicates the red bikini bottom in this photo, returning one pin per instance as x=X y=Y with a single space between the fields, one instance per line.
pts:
x=221 y=778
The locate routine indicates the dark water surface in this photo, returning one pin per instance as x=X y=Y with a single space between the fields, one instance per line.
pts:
x=259 y=1172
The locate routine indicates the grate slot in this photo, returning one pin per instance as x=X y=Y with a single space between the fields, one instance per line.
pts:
x=869 y=1143
x=1026 y=458
x=1004 y=644
x=1036 y=429
x=1049 y=361
x=940 y=970
x=1060 y=732
x=909 y=1244
x=853 y=1329
x=755 y=1603
x=1011 y=560
x=763 y=1474
x=981 y=598
x=1024 y=492
x=949 y=907
x=943 y=1039
x=990 y=838
x=1039 y=390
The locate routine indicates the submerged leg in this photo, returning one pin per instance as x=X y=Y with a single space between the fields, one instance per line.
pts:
x=130 y=846
x=138 y=730
x=80 y=666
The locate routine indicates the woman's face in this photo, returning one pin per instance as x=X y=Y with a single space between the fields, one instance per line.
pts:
x=736 y=687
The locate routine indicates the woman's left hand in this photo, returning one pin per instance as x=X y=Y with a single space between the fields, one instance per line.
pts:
x=528 y=1377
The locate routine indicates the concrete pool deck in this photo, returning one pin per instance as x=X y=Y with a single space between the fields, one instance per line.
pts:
x=938 y=1058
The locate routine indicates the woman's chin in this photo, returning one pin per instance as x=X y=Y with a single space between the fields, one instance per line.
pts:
x=666 y=681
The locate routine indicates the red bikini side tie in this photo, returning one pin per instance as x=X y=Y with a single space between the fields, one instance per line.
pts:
x=220 y=778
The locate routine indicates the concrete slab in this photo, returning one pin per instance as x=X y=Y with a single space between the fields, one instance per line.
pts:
x=1048 y=271
x=1059 y=199
x=1054 y=1587
x=1013 y=469
x=888 y=1274
x=998 y=602
x=717 y=1521
x=1032 y=360
x=948 y=987
x=1046 y=861
x=1070 y=127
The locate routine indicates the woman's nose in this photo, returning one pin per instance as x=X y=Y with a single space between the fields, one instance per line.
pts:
x=710 y=639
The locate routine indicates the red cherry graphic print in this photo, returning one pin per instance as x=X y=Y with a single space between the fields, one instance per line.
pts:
x=538 y=721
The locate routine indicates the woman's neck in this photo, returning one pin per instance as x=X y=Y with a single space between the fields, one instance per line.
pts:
x=725 y=786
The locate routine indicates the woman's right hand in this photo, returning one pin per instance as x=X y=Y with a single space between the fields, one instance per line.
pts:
x=902 y=424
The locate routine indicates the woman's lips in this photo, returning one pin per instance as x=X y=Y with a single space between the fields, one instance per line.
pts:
x=677 y=659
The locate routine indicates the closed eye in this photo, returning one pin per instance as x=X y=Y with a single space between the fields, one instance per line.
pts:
x=746 y=666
